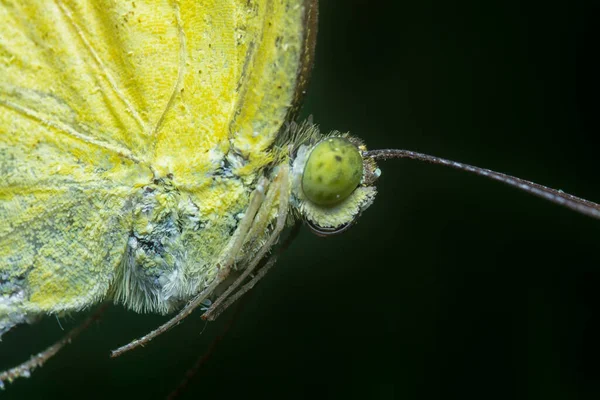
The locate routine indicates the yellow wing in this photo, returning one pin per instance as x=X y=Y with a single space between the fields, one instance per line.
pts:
x=97 y=98
x=242 y=67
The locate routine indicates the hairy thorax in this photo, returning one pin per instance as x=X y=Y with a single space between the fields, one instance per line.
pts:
x=177 y=238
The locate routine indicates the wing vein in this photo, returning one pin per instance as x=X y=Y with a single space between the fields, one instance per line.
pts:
x=69 y=131
x=242 y=86
x=180 y=73
x=49 y=184
x=103 y=69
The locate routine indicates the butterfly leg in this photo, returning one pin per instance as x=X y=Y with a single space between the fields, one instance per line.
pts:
x=279 y=187
x=218 y=308
x=227 y=260
x=24 y=370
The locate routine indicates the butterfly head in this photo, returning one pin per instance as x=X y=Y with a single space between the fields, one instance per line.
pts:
x=332 y=183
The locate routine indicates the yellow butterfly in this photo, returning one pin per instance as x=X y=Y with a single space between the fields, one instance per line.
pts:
x=145 y=157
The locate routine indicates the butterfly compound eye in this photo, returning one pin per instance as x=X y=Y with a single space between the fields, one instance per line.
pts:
x=333 y=170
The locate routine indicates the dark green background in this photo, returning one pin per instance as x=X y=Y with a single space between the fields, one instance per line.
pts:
x=450 y=285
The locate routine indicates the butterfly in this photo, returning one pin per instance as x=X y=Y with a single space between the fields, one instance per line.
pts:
x=152 y=190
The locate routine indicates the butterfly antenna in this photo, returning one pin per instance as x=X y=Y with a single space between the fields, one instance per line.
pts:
x=575 y=203
x=24 y=370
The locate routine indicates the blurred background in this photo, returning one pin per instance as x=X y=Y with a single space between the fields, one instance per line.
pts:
x=450 y=285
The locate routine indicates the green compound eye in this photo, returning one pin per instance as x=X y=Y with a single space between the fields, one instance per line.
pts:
x=333 y=170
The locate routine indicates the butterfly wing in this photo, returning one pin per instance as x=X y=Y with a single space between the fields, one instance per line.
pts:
x=82 y=88
x=97 y=98
x=243 y=67
x=69 y=135
x=277 y=61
